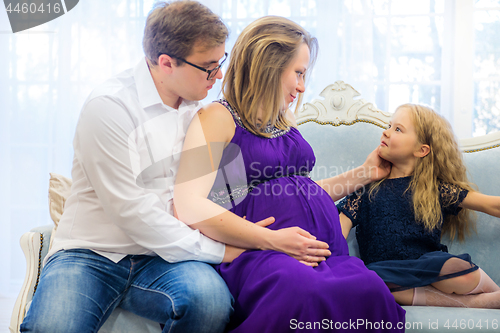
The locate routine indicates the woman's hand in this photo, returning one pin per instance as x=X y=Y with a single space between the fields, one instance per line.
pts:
x=293 y=241
x=301 y=245
x=376 y=167
x=298 y=244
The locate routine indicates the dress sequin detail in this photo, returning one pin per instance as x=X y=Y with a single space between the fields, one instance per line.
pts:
x=275 y=132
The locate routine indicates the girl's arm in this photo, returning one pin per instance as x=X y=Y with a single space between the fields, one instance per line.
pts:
x=346 y=224
x=197 y=171
x=488 y=204
x=373 y=169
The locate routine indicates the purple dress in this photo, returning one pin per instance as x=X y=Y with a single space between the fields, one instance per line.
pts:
x=260 y=177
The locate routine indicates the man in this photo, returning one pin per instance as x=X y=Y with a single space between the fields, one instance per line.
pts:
x=118 y=243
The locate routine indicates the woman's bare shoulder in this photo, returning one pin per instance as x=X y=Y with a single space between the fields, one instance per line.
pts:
x=215 y=111
x=216 y=120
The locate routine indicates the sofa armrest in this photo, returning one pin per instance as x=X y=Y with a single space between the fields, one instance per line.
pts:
x=35 y=246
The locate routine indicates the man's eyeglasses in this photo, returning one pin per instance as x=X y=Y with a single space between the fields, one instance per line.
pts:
x=211 y=72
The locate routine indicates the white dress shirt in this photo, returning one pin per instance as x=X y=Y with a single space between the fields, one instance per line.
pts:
x=127 y=148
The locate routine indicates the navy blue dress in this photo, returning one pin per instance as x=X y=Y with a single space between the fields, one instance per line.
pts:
x=394 y=245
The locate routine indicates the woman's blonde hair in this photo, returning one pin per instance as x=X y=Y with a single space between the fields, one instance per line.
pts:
x=252 y=82
x=443 y=163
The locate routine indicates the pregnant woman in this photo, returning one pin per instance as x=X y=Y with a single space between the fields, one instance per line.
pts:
x=244 y=160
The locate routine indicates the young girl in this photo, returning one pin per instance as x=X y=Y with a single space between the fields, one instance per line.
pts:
x=400 y=218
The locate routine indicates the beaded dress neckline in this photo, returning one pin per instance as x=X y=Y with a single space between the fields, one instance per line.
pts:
x=275 y=132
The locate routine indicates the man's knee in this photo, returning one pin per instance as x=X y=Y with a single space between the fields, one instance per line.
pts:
x=209 y=295
x=205 y=297
x=201 y=301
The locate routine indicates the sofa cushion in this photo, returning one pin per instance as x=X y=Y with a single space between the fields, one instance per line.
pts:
x=59 y=190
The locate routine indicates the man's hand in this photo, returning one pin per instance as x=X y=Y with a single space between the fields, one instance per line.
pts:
x=233 y=252
x=264 y=222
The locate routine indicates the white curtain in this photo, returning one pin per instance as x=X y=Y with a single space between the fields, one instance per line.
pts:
x=46 y=74
x=378 y=46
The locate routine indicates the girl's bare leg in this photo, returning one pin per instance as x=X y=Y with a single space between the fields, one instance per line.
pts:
x=473 y=283
x=472 y=290
x=431 y=296
x=459 y=285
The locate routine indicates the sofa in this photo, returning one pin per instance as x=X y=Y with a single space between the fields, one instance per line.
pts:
x=342 y=129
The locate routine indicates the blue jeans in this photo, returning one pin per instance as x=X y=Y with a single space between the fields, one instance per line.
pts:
x=79 y=289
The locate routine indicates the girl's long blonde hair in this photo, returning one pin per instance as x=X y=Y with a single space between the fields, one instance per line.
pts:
x=252 y=82
x=444 y=163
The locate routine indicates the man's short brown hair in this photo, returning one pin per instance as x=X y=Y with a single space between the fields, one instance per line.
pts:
x=174 y=28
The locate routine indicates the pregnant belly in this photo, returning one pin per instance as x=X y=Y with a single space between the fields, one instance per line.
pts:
x=293 y=202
